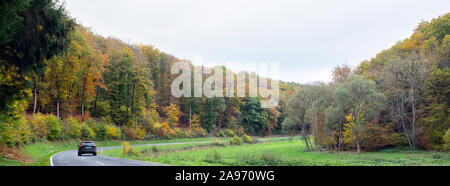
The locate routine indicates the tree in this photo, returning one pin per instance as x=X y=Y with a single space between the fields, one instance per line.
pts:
x=360 y=96
x=31 y=32
x=297 y=109
x=254 y=118
x=341 y=73
x=404 y=80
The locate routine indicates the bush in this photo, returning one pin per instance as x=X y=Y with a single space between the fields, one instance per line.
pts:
x=230 y=133
x=197 y=130
x=87 y=133
x=218 y=142
x=446 y=139
x=236 y=140
x=37 y=122
x=101 y=131
x=155 y=149
x=72 y=127
x=220 y=134
x=126 y=148
x=140 y=133
x=246 y=138
x=16 y=132
x=53 y=127
x=113 y=132
x=135 y=152
x=130 y=133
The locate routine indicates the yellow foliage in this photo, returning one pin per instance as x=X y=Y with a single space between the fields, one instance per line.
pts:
x=167 y=129
x=347 y=134
x=173 y=114
x=140 y=133
x=126 y=148
x=113 y=132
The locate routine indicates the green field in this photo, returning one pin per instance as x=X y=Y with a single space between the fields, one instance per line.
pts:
x=41 y=152
x=287 y=152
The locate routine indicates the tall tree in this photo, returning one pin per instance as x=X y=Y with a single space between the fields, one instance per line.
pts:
x=360 y=96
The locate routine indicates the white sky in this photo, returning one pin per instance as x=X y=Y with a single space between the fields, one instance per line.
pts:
x=306 y=37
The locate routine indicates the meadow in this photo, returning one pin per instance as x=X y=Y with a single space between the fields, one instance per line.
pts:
x=281 y=152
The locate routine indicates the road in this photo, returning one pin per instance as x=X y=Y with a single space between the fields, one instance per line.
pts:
x=71 y=158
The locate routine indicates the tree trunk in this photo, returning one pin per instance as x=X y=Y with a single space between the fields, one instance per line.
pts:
x=57 y=108
x=340 y=136
x=358 y=148
x=35 y=101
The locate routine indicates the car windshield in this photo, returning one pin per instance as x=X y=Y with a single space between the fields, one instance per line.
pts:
x=88 y=144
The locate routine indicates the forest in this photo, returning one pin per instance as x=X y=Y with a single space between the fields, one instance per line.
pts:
x=60 y=80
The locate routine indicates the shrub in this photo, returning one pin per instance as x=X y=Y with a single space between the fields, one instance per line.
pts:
x=130 y=132
x=15 y=132
x=197 y=130
x=236 y=140
x=73 y=127
x=230 y=133
x=113 y=132
x=178 y=132
x=187 y=133
x=446 y=139
x=220 y=133
x=101 y=131
x=246 y=138
x=169 y=132
x=140 y=133
x=135 y=152
x=240 y=131
x=37 y=122
x=126 y=148
x=155 y=149
x=53 y=127
x=87 y=132
x=218 y=142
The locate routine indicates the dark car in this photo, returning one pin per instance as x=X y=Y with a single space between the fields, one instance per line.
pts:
x=87 y=147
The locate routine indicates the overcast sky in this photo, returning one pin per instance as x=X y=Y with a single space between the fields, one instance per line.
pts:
x=307 y=37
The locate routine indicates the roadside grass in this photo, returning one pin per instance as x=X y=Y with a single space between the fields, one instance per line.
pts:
x=289 y=152
x=41 y=152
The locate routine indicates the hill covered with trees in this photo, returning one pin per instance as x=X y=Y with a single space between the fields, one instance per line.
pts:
x=98 y=88
x=60 y=80
x=400 y=97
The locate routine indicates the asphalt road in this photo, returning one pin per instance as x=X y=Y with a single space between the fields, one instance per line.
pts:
x=71 y=158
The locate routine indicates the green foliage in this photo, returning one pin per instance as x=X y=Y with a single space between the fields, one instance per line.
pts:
x=87 y=133
x=53 y=127
x=254 y=117
x=31 y=32
x=447 y=140
x=229 y=133
x=246 y=138
x=16 y=132
x=73 y=127
x=236 y=140
x=155 y=149
x=220 y=133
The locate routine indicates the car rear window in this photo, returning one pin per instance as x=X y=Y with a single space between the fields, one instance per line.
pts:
x=88 y=144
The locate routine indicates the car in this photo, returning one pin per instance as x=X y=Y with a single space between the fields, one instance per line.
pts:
x=86 y=147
